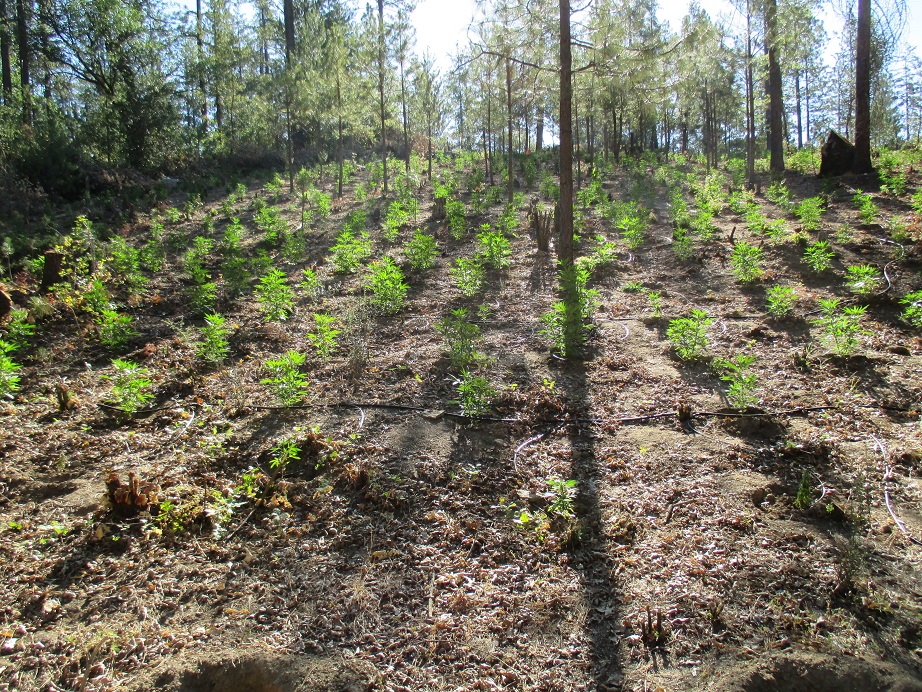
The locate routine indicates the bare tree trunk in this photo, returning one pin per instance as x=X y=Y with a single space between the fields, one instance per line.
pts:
x=406 y=120
x=509 y=163
x=776 y=110
x=5 y=65
x=381 y=90
x=539 y=133
x=565 y=208
x=200 y=68
x=23 y=16
x=863 y=89
x=800 y=132
x=750 y=104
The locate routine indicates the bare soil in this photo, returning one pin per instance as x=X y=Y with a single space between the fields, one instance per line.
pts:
x=393 y=554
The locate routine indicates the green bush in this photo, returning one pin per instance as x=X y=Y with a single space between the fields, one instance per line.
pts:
x=689 y=335
x=420 y=250
x=387 y=287
x=276 y=299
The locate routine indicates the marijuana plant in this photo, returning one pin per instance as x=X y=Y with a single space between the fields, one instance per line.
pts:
x=275 y=295
x=689 y=334
x=287 y=380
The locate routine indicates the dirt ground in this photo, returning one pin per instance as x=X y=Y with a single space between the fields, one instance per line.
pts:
x=394 y=553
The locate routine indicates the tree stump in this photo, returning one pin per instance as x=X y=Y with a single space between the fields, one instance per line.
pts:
x=541 y=224
x=438 y=209
x=6 y=306
x=51 y=273
x=838 y=155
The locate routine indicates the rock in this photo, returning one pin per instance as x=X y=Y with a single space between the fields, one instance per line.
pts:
x=8 y=647
x=837 y=154
x=900 y=351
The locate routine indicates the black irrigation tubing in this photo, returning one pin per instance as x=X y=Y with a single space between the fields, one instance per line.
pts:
x=556 y=421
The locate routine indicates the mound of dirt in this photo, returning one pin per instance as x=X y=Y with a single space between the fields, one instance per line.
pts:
x=265 y=672
x=816 y=673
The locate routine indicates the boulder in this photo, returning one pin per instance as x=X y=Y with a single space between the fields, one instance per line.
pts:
x=838 y=155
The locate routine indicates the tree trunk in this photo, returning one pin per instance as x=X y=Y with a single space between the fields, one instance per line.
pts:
x=5 y=66
x=800 y=133
x=200 y=68
x=750 y=104
x=23 y=16
x=509 y=164
x=863 y=89
x=776 y=110
x=406 y=120
x=381 y=91
x=539 y=133
x=565 y=207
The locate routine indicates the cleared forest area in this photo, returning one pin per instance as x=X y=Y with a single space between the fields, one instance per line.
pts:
x=255 y=440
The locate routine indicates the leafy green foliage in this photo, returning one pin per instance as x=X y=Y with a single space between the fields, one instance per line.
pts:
x=841 y=327
x=567 y=323
x=494 y=247
x=125 y=262
x=114 y=329
x=454 y=214
x=350 y=251
x=818 y=256
x=475 y=394
x=804 y=492
x=323 y=338
x=913 y=311
x=862 y=279
x=129 y=386
x=460 y=338
x=397 y=219
x=780 y=300
x=420 y=250
x=9 y=379
x=867 y=210
x=213 y=346
x=468 y=275
x=276 y=299
x=388 y=289
x=288 y=382
x=633 y=230
x=741 y=393
x=202 y=297
x=809 y=212
x=689 y=334
x=746 y=260
x=19 y=328
x=779 y=194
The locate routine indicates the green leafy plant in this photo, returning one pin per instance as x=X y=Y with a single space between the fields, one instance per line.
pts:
x=567 y=323
x=867 y=210
x=114 y=329
x=862 y=279
x=809 y=212
x=746 y=260
x=494 y=247
x=194 y=260
x=780 y=300
x=350 y=251
x=475 y=394
x=633 y=230
x=283 y=454
x=310 y=283
x=125 y=262
x=656 y=304
x=276 y=299
x=916 y=202
x=397 y=218
x=213 y=346
x=562 y=493
x=202 y=297
x=468 y=275
x=460 y=338
x=19 y=328
x=913 y=311
x=894 y=183
x=287 y=380
x=9 y=379
x=818 y=256
x=804 y=492
x=454 y=215
x=388 y=289
x=741 y=392
x=323 y=337
x=420 y=250
x=779 y=194
x=632 y=287
x=689 y=334
x=842 y=327
x=129 y=386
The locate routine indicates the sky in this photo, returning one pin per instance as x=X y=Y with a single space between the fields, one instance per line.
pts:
x=441 y=25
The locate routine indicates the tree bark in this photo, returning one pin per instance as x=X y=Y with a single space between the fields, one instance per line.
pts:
x=539 y=131
x=863 y=89
x=565 y=206
x=200 y=68
x=23 y=16
x=381 y=90
x=776 y=144
x=509 y=163
x=5 y=66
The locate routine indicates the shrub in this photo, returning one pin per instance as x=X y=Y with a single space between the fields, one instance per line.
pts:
x=494 y=247
x=213 y=347
x=323 y=337
x=913 y=311
x=468 y=275
x=276 y=299
x=746 y=259
x=420 y=250
x=287 y=380
x=841 y=327
x=114 y=329
x=809 y=212
x=129 y=386
x=387 y=286
x=742 y=382
x=349 y=251
x=454 y=214
x=862 y=279
x=474 y=394
x=780 y=300
x=460 y=338
x=818 y=256
x=9 y=379
x=689 y=334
